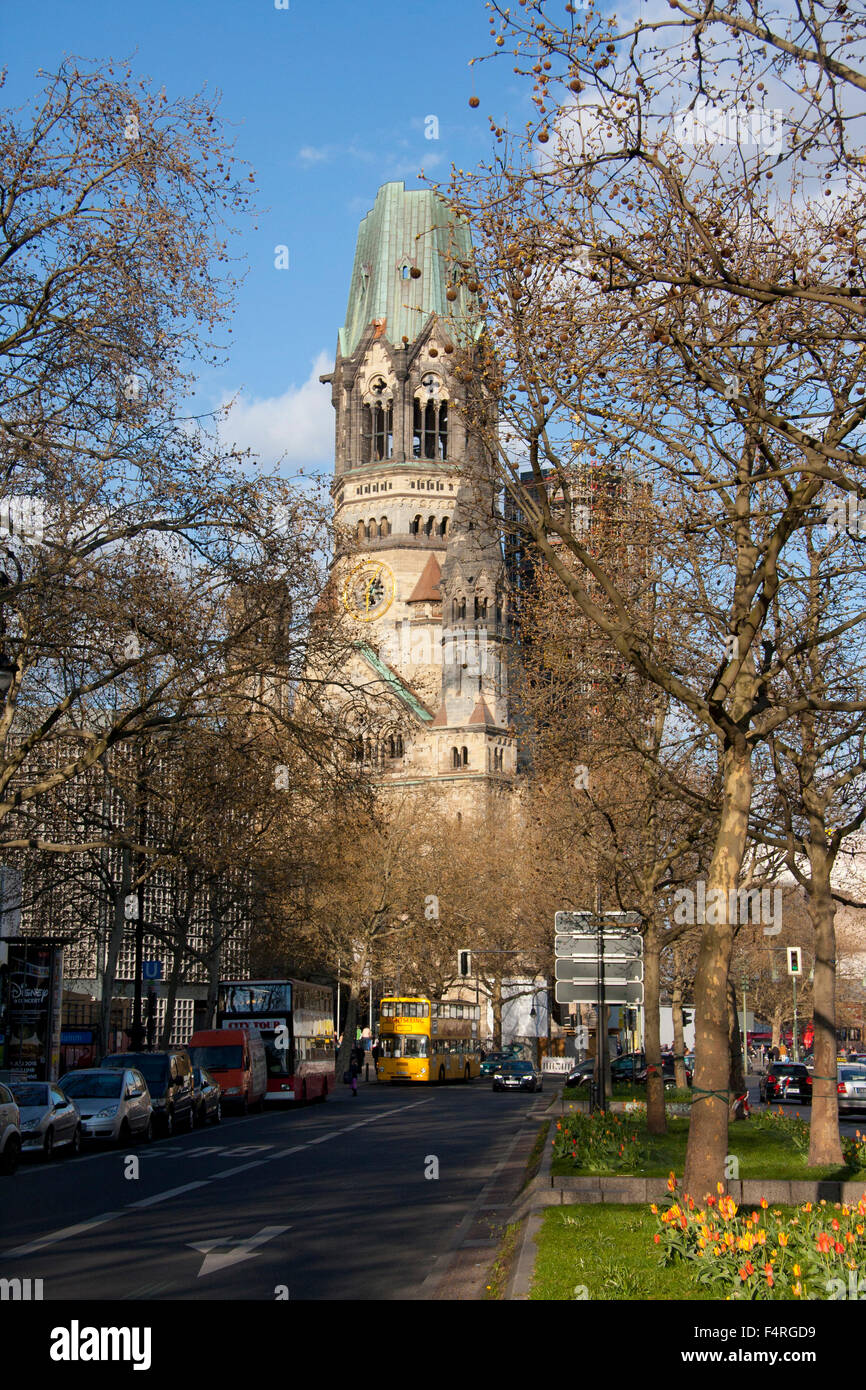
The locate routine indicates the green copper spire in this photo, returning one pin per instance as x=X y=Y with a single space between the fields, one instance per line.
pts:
x=407 y=229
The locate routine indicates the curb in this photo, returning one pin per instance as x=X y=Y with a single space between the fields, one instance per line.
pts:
x=538 y=1195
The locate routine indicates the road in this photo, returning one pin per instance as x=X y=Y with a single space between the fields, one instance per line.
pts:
x=323 y=1202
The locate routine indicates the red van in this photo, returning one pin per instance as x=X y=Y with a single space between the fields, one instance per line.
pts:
x=235 y=1058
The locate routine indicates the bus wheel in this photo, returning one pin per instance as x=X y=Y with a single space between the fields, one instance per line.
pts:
x=441 y=1075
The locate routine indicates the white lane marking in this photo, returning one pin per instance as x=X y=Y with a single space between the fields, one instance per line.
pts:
x=219 y=1254
x=64 y=1234
x=164 y=1196
x=230 y=1172
x=321 y=1139
x=53 y=1237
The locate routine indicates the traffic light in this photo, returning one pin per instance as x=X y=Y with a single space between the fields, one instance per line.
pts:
x=795 y=960
x=464 y=964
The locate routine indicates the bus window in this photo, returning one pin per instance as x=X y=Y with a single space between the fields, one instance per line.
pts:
x=415 y=1046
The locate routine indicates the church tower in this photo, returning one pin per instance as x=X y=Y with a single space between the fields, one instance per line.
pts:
x=419 y=564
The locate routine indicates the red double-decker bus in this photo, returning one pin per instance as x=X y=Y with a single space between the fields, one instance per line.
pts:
x=296 y=1023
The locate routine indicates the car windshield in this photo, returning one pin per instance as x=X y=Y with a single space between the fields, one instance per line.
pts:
x=95 y=1085
x=220 y=1057
x=517 y=1067
x=789 y=1069
x=31 y=1095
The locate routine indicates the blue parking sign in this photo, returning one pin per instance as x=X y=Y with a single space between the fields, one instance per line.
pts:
x=151 y=969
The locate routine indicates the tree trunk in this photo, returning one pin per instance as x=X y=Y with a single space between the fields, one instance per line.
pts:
x=825 y=1145
x=344 y=1056
x=677 y=1020
x=115 y=943
x=655 y=1087
x=776 y=1039
x=173 y=986
x=496 y=999
x=737 y=1070
x=708 y=1130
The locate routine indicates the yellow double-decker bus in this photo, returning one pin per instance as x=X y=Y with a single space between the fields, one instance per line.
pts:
x=428 y=1039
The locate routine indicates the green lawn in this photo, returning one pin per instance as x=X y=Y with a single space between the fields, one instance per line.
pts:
x=609 y=1252
x=761 y=1154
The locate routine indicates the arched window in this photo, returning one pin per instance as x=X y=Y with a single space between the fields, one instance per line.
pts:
x=372 y=529
x=461 y=608
x=405 y=272
x=377 y=423
x=428 y=529
x=384 y=527
x=443 y=526
x=430 y=423
x=455 y=757
x=464 y=757
x=415 y=526
x=362 y=531
x=399 y=743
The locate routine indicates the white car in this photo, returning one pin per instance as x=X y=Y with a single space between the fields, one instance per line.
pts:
x=49 y=1119
x=114 y=1104
x=10 y=1132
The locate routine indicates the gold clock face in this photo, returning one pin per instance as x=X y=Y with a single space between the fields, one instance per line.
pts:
x=369 y=590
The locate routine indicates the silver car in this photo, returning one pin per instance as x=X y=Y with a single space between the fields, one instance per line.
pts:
x=113 y=1104
x=49 y=1119
x=10 y=1134
x=851 y=1087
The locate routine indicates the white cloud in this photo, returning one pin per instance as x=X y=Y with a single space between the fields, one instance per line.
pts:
x=295 y=428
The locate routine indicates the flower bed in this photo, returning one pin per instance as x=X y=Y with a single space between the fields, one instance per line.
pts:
x=817 y=1251
x=604 y=1143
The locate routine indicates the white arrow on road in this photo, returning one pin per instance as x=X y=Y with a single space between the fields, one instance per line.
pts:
x=219 y=1254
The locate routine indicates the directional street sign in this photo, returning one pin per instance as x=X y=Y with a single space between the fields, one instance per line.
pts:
x=617 y=972
x=584 y=944
x=567 y=993
x=594 y=922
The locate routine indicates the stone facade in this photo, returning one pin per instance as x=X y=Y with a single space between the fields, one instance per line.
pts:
x=419 y=567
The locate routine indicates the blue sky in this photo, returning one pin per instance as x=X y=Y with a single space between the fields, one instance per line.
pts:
x=328 y=99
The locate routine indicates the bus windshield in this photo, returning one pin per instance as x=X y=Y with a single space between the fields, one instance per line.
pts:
x=255 y=998
x=404 y=1044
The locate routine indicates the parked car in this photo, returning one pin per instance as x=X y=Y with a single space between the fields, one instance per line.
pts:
x=10 y=1133
x=786 y=1081
x=235 y=1057
x=516 y=1075
x=851 y=1087
x=49 y=1119
x=669 y=1074
x=581 y=1074
x=114 y=1103
x=626 y=1067
x=169 y=1081
x=208 y=1094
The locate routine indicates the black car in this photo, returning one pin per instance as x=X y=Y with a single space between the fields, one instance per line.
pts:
x=784 y=1081
x=207 y=1095
x=669 y=1074
x=169 y=1080
x=515 y=1075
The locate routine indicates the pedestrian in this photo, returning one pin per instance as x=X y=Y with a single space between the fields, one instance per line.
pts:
x=354 y=1069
